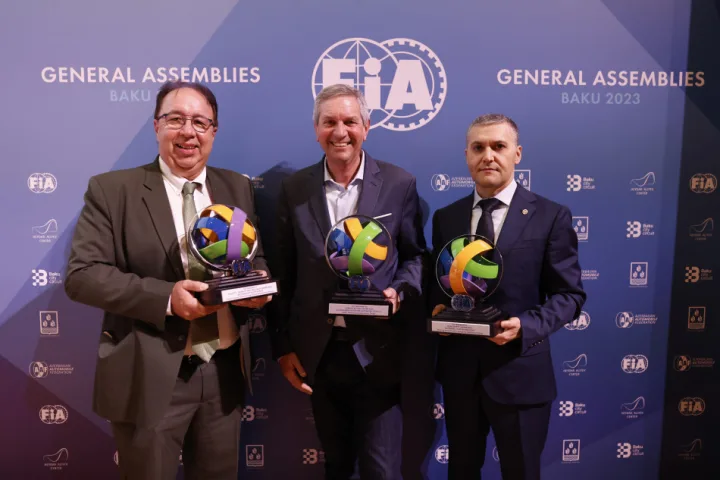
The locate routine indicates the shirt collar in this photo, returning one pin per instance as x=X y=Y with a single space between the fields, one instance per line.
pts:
x=177 y=182
x=358 y=176
x=505 y=195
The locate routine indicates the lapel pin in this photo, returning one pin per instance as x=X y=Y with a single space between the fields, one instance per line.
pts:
x=525 y=211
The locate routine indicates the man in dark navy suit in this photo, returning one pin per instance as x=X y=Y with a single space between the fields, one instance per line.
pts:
x=506 y=382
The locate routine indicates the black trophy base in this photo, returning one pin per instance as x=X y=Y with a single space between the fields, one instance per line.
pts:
x=230 y=289
x=363 y=304
x=483 y=321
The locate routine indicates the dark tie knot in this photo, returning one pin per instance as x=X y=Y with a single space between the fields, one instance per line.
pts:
x=489 y=204
x=189 y=188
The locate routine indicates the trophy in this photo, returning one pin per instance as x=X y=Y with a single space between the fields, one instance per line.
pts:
x=469 y=269
x=355 y=248
x=223 y=239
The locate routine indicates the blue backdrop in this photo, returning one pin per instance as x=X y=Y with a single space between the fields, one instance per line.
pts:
x=618 y=112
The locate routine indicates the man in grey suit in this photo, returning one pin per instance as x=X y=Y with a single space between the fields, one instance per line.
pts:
x=169 y=372
x=349 y=366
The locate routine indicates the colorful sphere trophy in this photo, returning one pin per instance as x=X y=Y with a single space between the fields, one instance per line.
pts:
x=223 y=239
x=355 y=248
x=469 y=269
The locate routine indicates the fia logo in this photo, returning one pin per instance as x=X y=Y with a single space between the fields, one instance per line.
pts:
x=624 y=450
x=49 y=322
x=581 y=225
x=438 y=411
x=580 y=323
x=42 y=183
x=634 y=363
x=53 y=414
x=403 y=81
x=638 y=273
x=440 y=182
x=691 y=406
x=256 y=323
x=696 y=318
x=682 y=363
x=703 y=183
x=624 y=320
x=442 y=454
x=571 y=450
x=523 y=178
x=255 y=455
x=39 y=369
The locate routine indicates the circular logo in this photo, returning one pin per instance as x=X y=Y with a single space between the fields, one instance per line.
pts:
x=223 y=238
x=703 y=183
x=403 y=81
x=624 y=319
x=42 y=182
x=53 y=414
x=39 y=369
x=682 y=363
x=442 y=454
x=580 y=323
x=440 y=182
x=438 y=411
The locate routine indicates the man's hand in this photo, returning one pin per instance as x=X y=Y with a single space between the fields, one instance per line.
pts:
x=293 y=370
x=184 y=304
x=257 y=302
x=392 y=296
x=511 y=331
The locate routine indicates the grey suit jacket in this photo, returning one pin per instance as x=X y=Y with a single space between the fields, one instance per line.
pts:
x=125 y=259
x=299 y=320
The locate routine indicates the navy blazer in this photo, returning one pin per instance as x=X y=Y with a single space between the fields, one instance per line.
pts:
x=541 y=285
x=299 y=320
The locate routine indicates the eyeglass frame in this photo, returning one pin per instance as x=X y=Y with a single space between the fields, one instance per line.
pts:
x=186 y=118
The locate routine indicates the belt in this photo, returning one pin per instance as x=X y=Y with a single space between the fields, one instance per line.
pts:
x=189 y=364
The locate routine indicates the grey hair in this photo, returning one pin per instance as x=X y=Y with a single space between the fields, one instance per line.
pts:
x=341 y=90
x=494 y=119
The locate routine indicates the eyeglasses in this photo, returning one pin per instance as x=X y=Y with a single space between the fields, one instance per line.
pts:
x=175 y=121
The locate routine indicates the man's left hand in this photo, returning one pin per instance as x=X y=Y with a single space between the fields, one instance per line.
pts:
x=257 y=302
x=511 y=331
x=392 y=296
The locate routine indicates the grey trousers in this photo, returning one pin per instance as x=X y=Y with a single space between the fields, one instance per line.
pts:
x=194 y=425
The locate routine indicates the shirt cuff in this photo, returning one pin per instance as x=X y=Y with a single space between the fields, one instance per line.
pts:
x=168 y=312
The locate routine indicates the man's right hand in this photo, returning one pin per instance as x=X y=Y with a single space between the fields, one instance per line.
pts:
x=293 y=370
x=184 y=304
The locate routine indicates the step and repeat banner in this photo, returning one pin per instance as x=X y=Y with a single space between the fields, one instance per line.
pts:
x=600 y=90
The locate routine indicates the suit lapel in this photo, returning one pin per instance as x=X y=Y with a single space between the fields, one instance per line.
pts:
x=371 y=185
x=458 y=221
x=219 y=193
x=522 y=208
x=158 y=205
x=318 y=202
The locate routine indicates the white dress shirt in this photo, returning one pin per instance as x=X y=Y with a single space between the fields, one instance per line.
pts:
x=342 y=202
x=173 y=186
x=498 y=215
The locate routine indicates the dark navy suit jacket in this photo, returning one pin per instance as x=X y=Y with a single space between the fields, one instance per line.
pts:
x=541 y=285
x=299 y=318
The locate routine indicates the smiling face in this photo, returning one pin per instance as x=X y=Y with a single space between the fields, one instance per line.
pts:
x=340 y=130
x=185 y=150
x=491 y=154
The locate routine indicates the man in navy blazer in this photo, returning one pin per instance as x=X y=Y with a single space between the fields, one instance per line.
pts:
x=349 y=365
x=506 y=382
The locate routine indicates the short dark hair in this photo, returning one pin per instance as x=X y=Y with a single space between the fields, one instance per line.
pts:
x=494 y=119
x=198 y=87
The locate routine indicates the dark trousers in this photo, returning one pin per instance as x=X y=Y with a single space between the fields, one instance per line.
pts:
x=520 y=433
x=195 y=423
x=356 y=421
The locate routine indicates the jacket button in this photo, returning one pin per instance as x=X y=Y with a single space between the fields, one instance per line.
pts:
x=181 y=338
x=330 y=321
